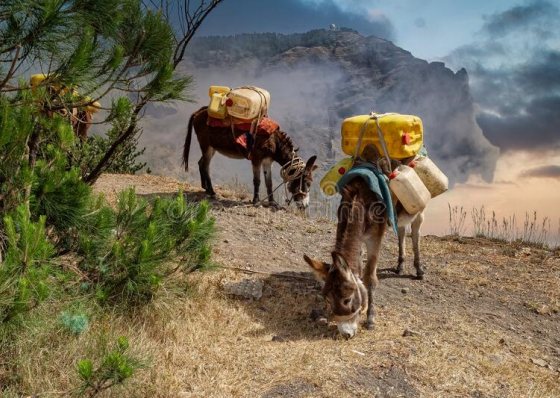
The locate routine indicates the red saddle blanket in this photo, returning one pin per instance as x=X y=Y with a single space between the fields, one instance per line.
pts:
x=265 y=127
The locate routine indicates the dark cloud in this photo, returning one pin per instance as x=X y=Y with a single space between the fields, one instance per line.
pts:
x=515 y=77
x=552 y=171
x=518 y=18
x=537 y=127
x=289 y=16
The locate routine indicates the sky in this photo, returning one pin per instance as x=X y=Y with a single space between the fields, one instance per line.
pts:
x=430 y=29
x=511 y=50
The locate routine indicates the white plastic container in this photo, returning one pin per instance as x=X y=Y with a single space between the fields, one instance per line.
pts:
x=432 y=177
x=410 y=190
x=247 y=103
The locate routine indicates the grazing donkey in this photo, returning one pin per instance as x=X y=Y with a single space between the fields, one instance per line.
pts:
x=276 y=147
x=362 y=218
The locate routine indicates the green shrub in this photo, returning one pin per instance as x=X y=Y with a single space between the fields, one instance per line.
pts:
x=24 y=271
x=130 y=251
x=124 y=161
x=115 y=367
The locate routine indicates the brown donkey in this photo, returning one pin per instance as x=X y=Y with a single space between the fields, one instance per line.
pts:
x=277 y=147
x=361 y=218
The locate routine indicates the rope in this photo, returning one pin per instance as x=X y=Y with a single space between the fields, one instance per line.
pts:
x=292 y=169
x=376 y=117
x=289 y=172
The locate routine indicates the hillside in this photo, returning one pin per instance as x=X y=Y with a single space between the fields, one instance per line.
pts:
x=316 y=80
x=485 y=322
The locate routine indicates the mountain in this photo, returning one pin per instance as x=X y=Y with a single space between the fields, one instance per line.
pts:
x=318 y=78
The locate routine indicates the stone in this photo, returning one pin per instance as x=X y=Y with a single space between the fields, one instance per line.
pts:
x=247 y=288
x=540 y=362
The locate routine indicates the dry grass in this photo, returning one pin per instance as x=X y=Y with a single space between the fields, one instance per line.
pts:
x=212 y=345
x=482 y=314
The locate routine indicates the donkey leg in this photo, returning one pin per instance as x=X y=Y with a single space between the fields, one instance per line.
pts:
x=402 y=246
x=373 y=244
x=256 y=182
x=204 y=168
x=416 y=224
x=267 y=169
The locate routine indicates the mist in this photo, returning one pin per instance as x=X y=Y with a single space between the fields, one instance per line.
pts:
x=316 y=80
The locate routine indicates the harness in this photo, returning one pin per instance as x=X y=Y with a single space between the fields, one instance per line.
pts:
x=291 y=171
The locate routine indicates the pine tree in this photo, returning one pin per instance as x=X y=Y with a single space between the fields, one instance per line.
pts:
x=117 y=55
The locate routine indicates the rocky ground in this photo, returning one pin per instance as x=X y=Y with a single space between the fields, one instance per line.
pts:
x=484 y=322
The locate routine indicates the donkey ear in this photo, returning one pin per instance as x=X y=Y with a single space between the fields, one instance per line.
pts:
x=310 y=162
x=341 y=265
x=319 y=268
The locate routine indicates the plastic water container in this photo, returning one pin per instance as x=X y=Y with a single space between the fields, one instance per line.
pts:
x=432 y=177
x=409 y=189
x=329 y=181
x=218 y=89
x=403 y=134
x=217 y=108
x=248 y=102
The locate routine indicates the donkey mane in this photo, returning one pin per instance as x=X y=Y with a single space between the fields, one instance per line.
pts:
x=354 y=217
x=281 y=145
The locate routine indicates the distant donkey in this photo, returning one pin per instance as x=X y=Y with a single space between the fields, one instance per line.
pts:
x=276 y=147
x=362 y=218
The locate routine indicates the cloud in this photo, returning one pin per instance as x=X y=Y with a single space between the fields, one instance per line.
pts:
x=517 y=18
x=289 y=16
x=551 y=171
x=515 y=76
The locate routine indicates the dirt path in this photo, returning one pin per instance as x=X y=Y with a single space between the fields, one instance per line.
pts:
x=485 y=322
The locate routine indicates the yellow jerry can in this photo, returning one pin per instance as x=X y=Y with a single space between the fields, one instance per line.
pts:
x=402 y=133
x=39 y=78
x=217 y=108
x=218 y=89
x=329 y=181
x=94 y=107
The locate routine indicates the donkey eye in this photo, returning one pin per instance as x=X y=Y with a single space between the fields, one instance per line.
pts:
x=347 y=301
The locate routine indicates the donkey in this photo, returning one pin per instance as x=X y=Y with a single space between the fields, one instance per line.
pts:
x=415 y=221
x=362 y=218
x=277 y=147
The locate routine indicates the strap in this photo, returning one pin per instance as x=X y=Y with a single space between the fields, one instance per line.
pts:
x=376 y=117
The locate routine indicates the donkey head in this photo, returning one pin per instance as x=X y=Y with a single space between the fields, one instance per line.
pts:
x=344 y=292
x=299 y=187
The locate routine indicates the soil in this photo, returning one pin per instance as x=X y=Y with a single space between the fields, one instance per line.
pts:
x=484 y=313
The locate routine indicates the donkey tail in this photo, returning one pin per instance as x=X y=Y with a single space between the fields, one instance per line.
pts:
x=188 y=138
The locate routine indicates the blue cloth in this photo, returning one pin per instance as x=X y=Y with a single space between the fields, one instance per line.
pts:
x=377 y=182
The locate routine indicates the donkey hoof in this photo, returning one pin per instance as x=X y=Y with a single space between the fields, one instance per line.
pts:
x=420 y=277
x=369 y=325
x=399 y=270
